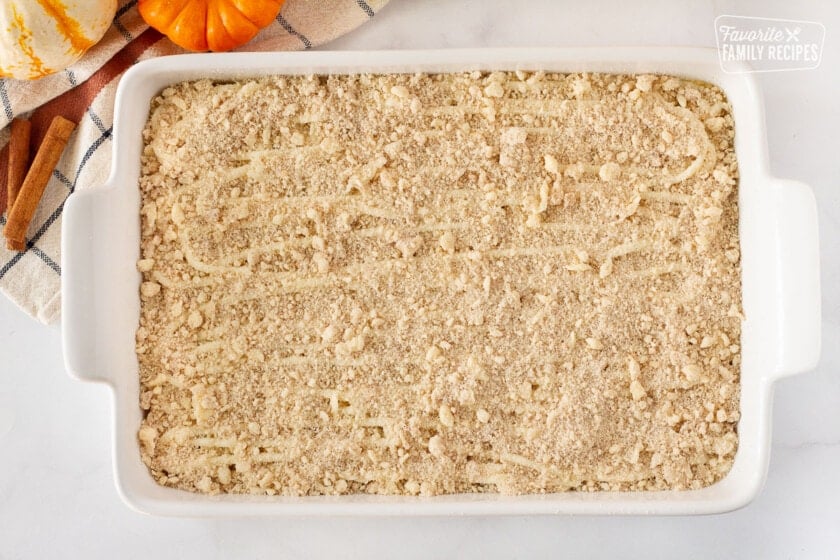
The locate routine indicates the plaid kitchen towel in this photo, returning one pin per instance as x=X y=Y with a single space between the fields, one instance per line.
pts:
x=85 y=93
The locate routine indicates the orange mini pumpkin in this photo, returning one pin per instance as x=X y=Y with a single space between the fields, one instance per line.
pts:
x=214 y=25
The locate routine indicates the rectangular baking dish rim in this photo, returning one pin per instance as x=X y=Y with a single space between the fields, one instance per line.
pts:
x=87 y=360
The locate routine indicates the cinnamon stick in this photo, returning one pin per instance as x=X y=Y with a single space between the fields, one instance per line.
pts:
x=32 y=189
x=18 y=159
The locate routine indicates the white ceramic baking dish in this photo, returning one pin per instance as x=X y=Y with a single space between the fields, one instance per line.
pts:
x=781 y=293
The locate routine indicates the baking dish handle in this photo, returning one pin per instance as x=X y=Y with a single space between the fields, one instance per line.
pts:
x=797 y=277
x=82 y=277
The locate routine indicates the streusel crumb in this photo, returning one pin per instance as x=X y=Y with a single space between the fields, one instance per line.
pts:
x=424 y=284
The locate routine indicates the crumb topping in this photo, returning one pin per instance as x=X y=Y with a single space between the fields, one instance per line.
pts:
x=423 y=284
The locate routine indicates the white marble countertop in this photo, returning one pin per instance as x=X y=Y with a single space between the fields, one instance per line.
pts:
x=57 y=497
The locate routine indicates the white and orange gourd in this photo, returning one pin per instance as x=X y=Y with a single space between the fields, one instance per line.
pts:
x=39 y=37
